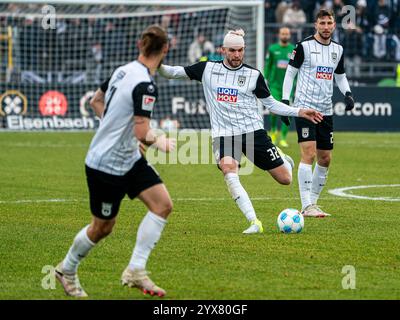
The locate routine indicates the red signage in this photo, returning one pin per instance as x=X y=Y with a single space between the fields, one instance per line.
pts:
x=53 y=103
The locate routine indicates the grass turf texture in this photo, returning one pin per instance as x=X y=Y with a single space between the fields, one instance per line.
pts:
x=202 y=253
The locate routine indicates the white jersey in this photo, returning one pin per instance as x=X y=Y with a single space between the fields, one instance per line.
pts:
x=231 y=96
x=317 y=64
x=130 y=91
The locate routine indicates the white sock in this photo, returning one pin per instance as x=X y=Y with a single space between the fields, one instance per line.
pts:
x=148 y=234
x=305 y=182
x=287 y=165
x=318 y=182
x=79 y=249
x=240 y=196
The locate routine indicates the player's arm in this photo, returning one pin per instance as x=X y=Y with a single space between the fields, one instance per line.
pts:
x=295 y=63
x=343 y=84
x=292 y=69
x=97 y=101
x=262 y=92
x=144 y=97
x=147 y=136
x=192 y=72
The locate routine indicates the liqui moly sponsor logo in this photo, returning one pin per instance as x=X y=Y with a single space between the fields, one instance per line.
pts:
x=324 y=73
x=227 y=95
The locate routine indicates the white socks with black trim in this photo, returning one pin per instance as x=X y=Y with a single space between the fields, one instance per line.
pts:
x=240 y=196
x=148 y=234
x=319 y=178
x=305 y=181
x=311 y=183
x=79 y=249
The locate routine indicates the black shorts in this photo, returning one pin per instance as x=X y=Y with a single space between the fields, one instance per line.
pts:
x=257 y=146
x=106 y=191
x=322 y=132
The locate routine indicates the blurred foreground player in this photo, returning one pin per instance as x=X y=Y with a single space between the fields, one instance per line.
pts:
x=115 y=166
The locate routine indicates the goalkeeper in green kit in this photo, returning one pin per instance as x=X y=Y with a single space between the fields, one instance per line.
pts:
x=276 y=62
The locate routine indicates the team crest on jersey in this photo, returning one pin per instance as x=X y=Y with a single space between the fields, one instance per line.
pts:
x=227 y=95
x=106 y=209
x=334 y=57
x=148 y=102
x=241 y=81
x=324 y=73
x=305 y=132
x=151 y=88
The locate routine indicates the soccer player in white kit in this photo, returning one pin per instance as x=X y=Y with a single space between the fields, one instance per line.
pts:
x=317 y=60
x=115 y=166
x=231 y=90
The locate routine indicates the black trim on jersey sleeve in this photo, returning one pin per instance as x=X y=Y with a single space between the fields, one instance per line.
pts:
x=104 y=85
x=261 y=91
x=297 y=56
x=144 y=96
x=195 y=71
x=340 y=66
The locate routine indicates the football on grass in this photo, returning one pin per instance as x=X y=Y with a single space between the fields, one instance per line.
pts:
x=290 y=221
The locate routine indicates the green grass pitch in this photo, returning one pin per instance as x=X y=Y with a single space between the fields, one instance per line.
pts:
x=202 y=253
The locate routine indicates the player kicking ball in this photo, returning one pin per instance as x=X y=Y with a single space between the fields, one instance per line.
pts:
x=231 y=89
x=317 y=60
x=115 y=166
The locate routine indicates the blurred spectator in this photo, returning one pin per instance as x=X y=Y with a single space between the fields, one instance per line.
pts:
x=217 y=55
x=379 y=46
x=363 y=22
x=115 y=42
x=95 y=65
x=352 y=42
x=200 y=47
x=308 y=7
x=382 y=14
x=280 y=11
x=327 y=5
x=337 y=10
x=169 y=22
x=381 y=37
x=269 y=10
x=29 y=44
x=294 y=15
x=395 y=47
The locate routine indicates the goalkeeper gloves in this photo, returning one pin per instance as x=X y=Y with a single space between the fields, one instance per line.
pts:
x=349 y=101
x=285 y=119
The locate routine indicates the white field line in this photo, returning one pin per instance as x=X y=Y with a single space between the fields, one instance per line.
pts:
x=341 y=192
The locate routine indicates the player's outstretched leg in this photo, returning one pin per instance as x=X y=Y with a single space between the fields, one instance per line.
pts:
x=283 y=173
x=288 y=161
x=230 y=167
x=157 y=199
x=240 y=196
